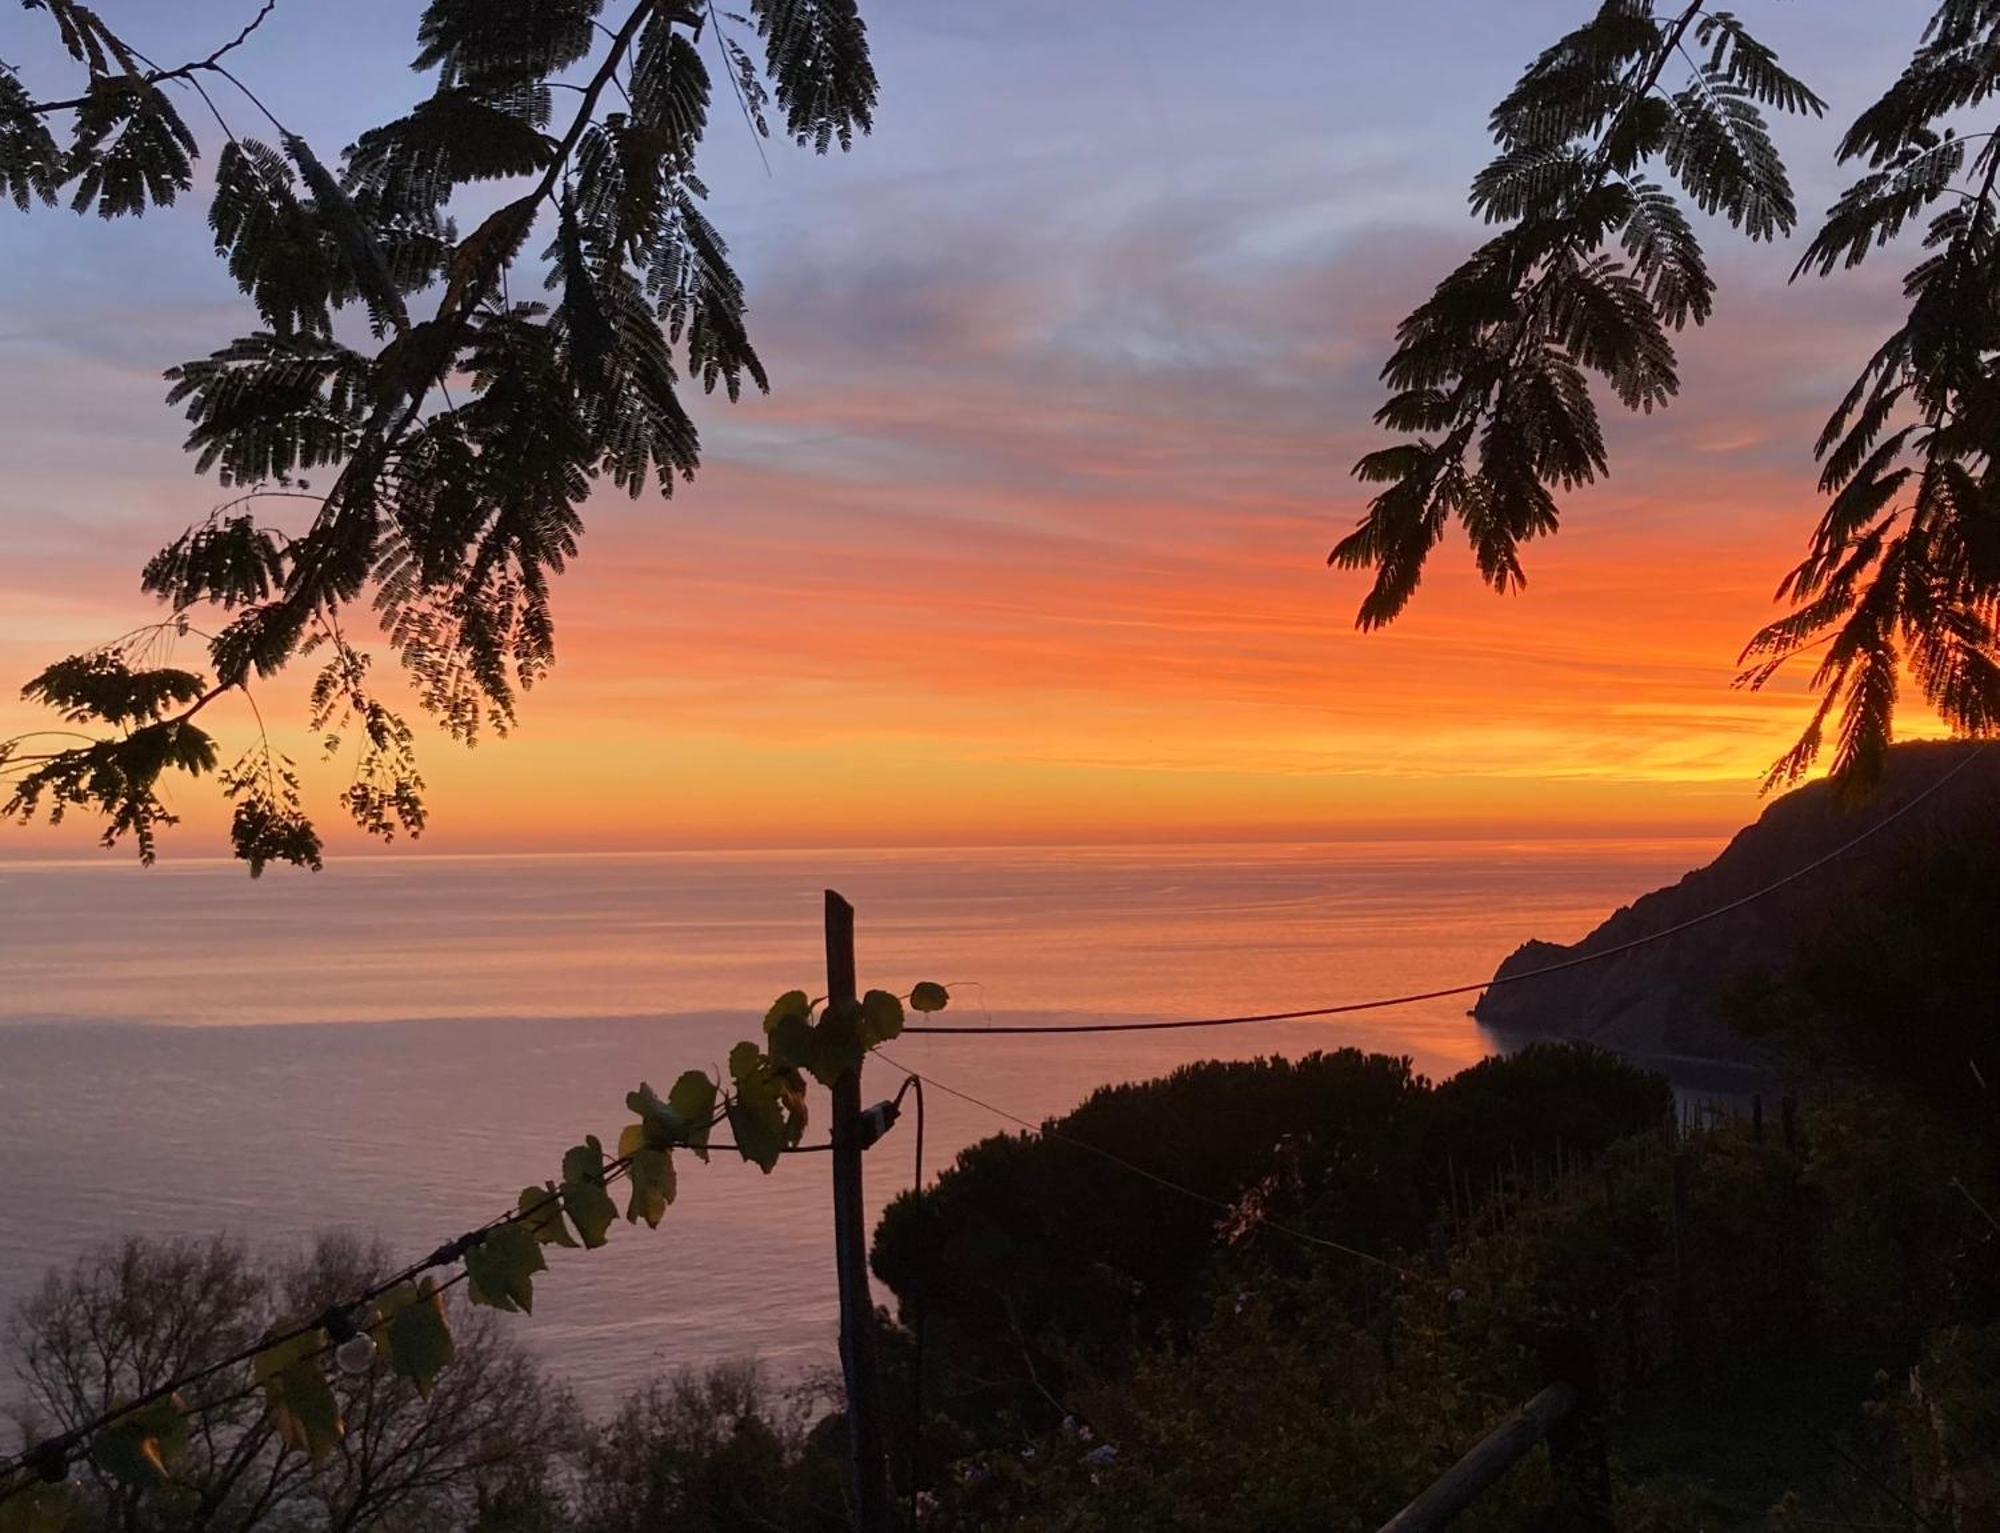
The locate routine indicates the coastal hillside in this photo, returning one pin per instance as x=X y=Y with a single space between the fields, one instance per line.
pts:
x=1673 y=998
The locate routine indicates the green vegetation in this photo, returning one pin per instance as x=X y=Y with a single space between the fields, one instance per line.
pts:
x=1907 y=933
x=1786 y=1332
x=497 y=1447
x=128 y=1317
x=1790 y=1326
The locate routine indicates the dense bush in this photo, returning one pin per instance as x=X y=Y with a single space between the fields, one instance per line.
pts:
x=1034 y=1258
x=1896 y=986
x=1741 y=1299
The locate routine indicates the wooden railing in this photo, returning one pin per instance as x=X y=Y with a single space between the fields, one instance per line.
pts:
x=1565 y=1416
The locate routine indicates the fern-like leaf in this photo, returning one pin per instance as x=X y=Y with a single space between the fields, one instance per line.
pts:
x=1720 y=150
x=817 y=53
x=31 y=164
x=132 y=149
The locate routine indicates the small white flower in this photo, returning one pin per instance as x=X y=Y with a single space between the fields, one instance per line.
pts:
x=1103 y=1456
x=1456 y=1296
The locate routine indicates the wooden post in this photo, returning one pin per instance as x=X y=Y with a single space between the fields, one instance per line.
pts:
x=1499 y=1451
x=1577 y=1451
x=869 y=1461
x=1678 y=1171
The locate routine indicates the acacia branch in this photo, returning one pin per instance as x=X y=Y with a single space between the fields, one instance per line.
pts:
x=185 y=71
x=380 y=434
x=455 y=310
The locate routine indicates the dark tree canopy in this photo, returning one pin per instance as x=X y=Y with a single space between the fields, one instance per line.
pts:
x=1904 y=566
x=1598 y=265
x=420 y=410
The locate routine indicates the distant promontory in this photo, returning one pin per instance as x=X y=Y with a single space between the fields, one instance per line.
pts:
x=1674 y=998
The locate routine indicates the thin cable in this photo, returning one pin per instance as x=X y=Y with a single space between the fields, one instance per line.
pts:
x=1045 y=1132
x=375 y=1326
x=65 y=1443
x=1382 y=1004
x=454 y=1250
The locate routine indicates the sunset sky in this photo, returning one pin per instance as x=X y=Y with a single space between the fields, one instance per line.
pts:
x=1070 y=360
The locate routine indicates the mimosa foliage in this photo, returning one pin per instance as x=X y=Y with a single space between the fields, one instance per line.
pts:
x=762 y=1100
x=1903 y=571
x=1596 y=267
x=1599 y=265
x=452 y=419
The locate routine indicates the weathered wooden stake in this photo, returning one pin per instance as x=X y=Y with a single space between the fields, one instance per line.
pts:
x=869 y=1461
x=1499 y=1451
x=1577 y=1451
x=1678 y=1171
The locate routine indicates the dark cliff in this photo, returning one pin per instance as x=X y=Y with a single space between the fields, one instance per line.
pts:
x=1670 y=997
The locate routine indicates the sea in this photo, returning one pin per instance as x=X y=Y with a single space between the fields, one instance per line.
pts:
x=397 y=1045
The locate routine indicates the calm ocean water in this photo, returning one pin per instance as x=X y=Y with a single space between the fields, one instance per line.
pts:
x=399 y=1044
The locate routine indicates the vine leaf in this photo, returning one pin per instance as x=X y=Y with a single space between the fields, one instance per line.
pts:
x=838 y=1045
x=653 y=1186
x=417 y=1335
x=589 y=1206
x=881 y=1018
x=693 y=1101
x=929 y=996
x=301 y=1402
x=541 y=1211
x=684 y=1118
x=793 y=1003
x=501 y=1269
x=789 y=1028
x=34 y=1508
x=136 y=1449
x=767 y=1111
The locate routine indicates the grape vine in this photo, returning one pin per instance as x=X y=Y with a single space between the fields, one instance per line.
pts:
x=402 y=1324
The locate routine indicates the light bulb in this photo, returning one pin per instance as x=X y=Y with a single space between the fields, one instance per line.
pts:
x=356 y=1355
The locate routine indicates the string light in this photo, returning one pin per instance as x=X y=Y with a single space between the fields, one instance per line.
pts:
x=50 y=1461
x=353 y=1346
